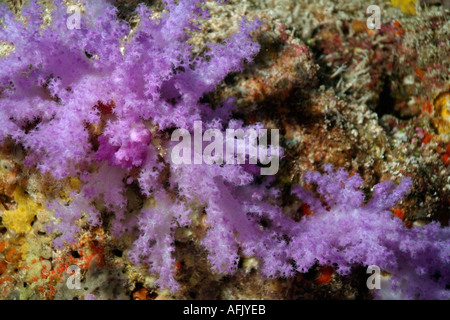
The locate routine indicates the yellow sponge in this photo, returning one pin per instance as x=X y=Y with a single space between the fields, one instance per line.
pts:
x=19 y=220
x=407 y=6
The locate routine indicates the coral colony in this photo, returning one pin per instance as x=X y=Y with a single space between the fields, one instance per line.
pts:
x=115 y=115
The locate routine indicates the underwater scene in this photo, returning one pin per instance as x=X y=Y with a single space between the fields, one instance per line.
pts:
x=224 y=150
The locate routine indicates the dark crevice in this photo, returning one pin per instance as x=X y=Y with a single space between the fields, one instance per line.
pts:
x=386 y=102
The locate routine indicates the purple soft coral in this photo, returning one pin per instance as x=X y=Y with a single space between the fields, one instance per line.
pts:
x=345 y=232
x=81 y=102
x=54 y=85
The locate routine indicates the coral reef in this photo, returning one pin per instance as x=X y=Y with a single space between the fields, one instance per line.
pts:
x=88 y=185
